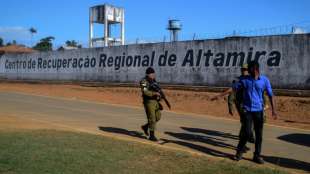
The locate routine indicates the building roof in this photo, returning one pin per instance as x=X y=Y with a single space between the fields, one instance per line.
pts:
x=15 y=49
x=64 y=47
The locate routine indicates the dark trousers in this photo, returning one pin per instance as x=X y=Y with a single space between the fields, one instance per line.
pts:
x=256 y=119
x=243 y=128
x=243 y=123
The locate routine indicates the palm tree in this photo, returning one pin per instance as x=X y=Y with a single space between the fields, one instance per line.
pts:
x=71 y=43
x=45 y=44
x=32 y=31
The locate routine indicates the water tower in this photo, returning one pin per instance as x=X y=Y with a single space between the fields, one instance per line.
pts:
x=107 y=15
x=174 y=26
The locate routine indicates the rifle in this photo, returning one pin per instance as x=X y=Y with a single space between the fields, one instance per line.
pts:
x=155 y=86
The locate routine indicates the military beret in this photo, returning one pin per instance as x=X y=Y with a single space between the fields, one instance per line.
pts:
x=149 y=70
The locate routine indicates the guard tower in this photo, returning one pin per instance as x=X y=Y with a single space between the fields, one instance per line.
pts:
x=107 y=15
x=174 y=26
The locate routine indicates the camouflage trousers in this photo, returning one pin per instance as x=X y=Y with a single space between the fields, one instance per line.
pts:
x=152 y=110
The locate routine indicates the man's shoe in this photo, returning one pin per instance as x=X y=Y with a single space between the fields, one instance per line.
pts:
x=152 y=136
x=258 y=159
x=238 y=156
x=153 y=139
x=145 y=129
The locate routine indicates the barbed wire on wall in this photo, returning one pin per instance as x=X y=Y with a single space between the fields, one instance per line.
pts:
x=294 y=28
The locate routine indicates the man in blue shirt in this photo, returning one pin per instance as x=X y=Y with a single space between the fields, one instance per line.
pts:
x=236 y=99
x=253 y=88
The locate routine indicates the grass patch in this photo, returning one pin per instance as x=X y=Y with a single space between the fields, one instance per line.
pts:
x=49 y=151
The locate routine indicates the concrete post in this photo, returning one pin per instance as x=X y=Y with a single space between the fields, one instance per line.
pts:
x=123 y=28
x=90 y=28
x=106 y=26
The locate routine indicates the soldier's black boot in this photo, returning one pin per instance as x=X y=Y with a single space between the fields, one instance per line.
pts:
x=152 y=136
x=145 y=129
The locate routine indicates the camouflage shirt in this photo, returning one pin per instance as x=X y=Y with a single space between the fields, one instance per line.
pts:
x=147 y=92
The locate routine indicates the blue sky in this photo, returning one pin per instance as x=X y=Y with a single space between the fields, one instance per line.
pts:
x=147 y=20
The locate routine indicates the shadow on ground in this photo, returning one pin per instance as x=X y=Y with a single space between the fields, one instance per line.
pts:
x=288 y=163
x=218 y=139
x=199 y=148
x=211 y=133
x=122 y=131
x=297 y=138
x=211 y=137
x=200 y=138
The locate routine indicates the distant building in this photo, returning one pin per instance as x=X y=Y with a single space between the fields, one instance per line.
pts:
x=298 y=30
x=62 y=48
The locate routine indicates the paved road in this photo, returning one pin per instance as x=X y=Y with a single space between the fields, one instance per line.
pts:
x=285 y=147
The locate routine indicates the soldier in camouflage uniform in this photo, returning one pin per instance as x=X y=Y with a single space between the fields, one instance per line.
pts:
x=151 y=104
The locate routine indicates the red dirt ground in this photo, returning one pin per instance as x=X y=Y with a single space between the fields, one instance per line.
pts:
x=292 y=111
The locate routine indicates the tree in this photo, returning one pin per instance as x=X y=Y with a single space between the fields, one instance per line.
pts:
x=1 y=42
x=45 y=44
x=71 y=43
x=32 y=32
x=14 y=42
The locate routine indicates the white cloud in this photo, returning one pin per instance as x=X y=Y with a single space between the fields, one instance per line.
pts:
x=20 y=34
x=12 y=29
